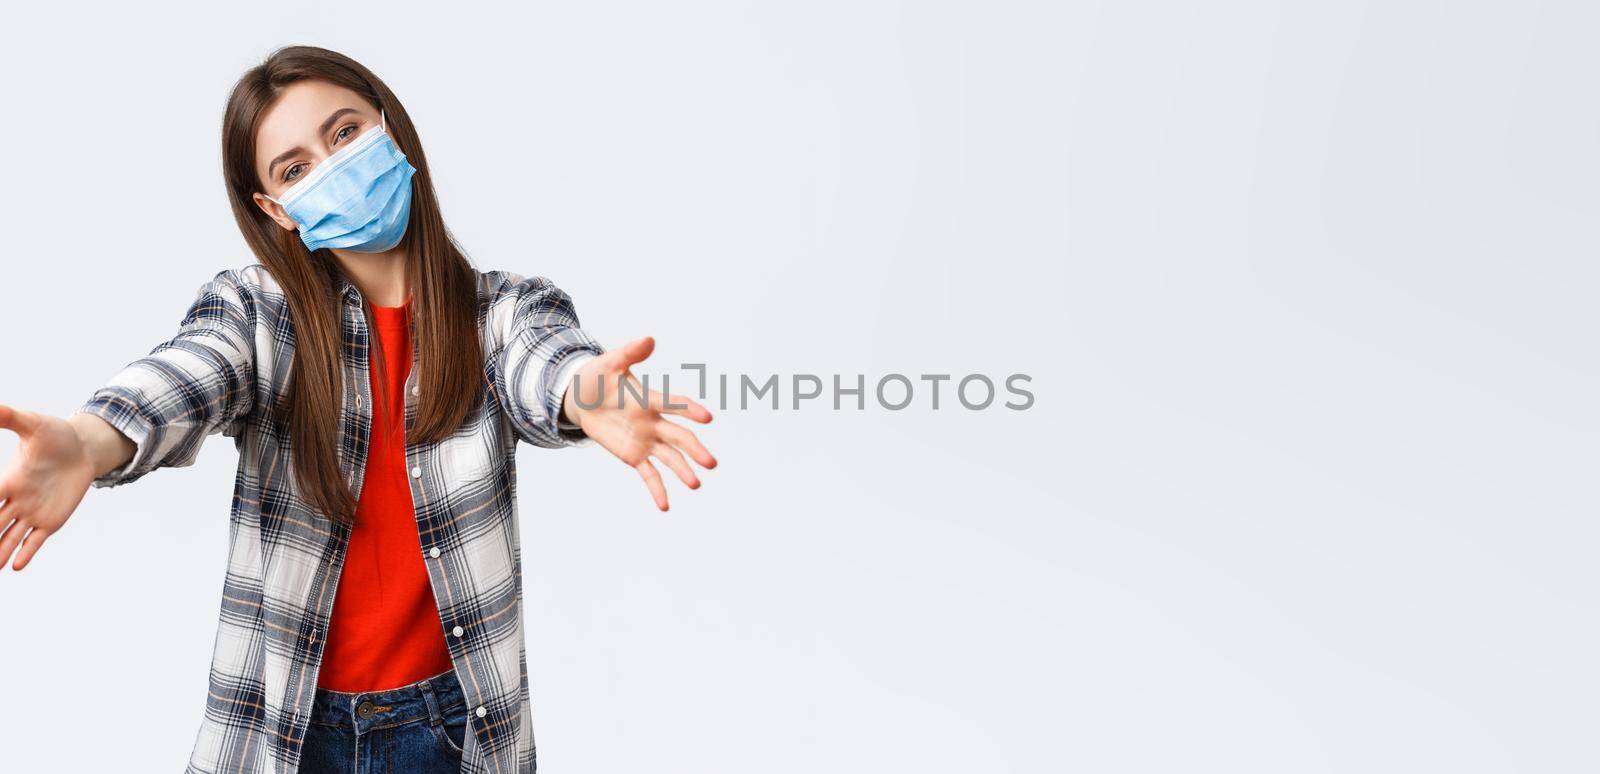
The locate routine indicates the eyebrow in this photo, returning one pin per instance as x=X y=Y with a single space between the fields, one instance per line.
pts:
x=326 y=125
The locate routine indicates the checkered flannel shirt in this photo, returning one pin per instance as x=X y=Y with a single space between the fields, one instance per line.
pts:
x=224 y=371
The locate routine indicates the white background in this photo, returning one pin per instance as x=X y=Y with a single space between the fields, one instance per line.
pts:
x=1305 y=290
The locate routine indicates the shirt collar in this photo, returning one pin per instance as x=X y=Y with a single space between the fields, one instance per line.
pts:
x=348 y=291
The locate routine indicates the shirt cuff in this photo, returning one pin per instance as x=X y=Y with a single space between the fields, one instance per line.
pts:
x=564 y=378
x=124 y=414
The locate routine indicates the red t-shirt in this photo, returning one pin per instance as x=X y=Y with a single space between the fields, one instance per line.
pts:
x=385 y=630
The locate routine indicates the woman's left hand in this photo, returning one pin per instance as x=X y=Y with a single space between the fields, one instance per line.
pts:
x=632 y=429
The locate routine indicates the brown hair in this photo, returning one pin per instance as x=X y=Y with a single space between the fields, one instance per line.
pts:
x=443 y=283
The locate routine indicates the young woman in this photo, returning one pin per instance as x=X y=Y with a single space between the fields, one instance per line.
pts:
x=375 y=384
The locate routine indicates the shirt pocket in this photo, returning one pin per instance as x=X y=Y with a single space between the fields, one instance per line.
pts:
x=470 y=455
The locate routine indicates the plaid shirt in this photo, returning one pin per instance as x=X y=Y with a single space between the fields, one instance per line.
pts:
x=225 y=371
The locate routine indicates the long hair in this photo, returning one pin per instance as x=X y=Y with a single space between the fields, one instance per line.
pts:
x=443 y=283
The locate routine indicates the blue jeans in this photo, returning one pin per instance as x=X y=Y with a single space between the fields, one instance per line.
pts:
x=417 y=728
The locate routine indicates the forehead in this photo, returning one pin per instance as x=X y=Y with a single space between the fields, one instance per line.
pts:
x=300 y=108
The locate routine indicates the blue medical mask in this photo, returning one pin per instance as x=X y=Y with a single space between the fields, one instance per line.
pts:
x=358 y=199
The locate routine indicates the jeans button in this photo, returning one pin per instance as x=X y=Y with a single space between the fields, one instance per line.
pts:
x=364 y=709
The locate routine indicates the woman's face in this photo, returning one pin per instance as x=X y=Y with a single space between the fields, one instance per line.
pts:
x=310 y=120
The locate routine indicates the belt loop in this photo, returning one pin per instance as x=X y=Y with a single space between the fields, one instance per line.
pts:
x=435 y=715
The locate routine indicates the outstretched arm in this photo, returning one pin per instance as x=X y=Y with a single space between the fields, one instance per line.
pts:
x=153 y=413
x=543 y=351
x=200 y=382
x=539 y=346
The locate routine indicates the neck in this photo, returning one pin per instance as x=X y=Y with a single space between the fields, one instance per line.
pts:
x=380 y=276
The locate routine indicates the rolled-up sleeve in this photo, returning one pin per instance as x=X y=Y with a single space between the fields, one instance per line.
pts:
x=541 y=348
x=199 y=382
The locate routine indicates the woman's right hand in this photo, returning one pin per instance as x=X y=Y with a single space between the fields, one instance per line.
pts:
x=48 y=476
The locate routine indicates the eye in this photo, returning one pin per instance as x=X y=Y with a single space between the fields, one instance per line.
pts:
x=294 y=171
x=344 y=131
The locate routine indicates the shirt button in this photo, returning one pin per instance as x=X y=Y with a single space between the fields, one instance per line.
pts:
x=415 y=390
x=358 y=401
x=482 y=711
x=458 y=631
x=434 y=552
x=416 y=472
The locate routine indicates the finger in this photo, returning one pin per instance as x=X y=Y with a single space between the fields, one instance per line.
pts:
x=637 y=350
x=12 y=531
x=679 y=405
x=10 y=539
x=684 y=439
x=679 y=465
x=17 y=420
x=30 y=546
x=652 y=480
